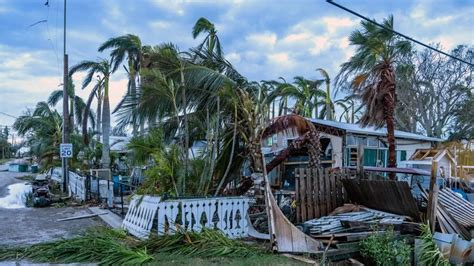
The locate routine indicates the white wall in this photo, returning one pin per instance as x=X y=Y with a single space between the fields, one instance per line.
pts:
x=337 y=151
x=411 y=146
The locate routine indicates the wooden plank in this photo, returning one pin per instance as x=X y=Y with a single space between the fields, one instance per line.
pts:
x=333 y=191
x=384 y=195
x=322 y=193
x=317 y=209
x=298 y=177
x=309 y=194
x=328 y=190
x=303 y=198
x=285 y=237
x=431 y=210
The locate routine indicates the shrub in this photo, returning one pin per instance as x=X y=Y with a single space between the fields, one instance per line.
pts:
x=385 y=249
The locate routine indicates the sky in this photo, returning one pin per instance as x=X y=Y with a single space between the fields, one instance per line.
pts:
x=263 y=39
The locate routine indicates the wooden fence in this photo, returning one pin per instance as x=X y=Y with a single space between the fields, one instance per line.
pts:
x=319 y=192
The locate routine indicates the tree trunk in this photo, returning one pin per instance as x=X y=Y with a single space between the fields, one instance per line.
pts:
x=388 y=83
x=106 y=128
x=186 y=133
x=99 y=115
x=72 y=113
x=329 y=115
x=133 y=93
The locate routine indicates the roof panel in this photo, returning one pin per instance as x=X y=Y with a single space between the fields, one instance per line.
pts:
x=357 y=129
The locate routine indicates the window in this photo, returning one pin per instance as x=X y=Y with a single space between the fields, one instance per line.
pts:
x=350 y=140
x=372 y=142
x=362 y=141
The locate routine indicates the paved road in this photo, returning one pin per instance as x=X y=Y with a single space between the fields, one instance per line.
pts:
x=34 y=225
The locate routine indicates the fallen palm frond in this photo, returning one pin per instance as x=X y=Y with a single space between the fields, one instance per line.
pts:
x=112 y=247
x=102 y=246
x=208 y=243
x=430 y=254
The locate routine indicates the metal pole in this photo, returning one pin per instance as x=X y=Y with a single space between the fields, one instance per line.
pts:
x=65 y=133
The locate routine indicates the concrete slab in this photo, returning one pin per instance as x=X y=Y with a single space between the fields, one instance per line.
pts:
x=36 y=225
x=111 y=219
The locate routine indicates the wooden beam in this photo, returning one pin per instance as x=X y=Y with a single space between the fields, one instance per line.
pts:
x=432 y=196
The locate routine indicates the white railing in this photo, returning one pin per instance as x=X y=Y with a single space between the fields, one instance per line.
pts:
x=140 y=215
x=228 y=215
x=77 y=185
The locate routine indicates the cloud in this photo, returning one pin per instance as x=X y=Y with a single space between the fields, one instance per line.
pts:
x=174 y=7
x=266 y=39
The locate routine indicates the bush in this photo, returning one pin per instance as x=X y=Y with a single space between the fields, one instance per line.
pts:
x=385 y=249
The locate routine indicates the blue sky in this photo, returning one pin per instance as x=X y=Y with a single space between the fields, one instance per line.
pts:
x=263 y=39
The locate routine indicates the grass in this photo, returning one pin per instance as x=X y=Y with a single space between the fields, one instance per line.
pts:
x=106 y=247
x=266 y=259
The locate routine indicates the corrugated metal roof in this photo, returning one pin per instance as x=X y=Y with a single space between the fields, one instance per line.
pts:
x=357 y=129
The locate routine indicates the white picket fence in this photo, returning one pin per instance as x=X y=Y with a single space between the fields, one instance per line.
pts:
x=228 y=215
x=140 y=215
x=77 y=186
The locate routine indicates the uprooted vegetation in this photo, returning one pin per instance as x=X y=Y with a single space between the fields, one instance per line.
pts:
x=114 y=247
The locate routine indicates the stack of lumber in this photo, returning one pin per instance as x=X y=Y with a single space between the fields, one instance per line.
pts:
x=334 y=224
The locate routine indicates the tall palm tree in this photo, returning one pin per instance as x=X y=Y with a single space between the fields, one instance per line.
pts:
x=371 y=70
x=76 y=105
x=329 y=105
x=101 y=68
x=211 y=41
x=127 y=47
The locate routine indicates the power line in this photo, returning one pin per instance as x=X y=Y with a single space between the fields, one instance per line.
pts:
x=3 y=113
x=398 y=33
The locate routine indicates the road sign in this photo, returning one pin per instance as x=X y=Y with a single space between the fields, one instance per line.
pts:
x=65 y=150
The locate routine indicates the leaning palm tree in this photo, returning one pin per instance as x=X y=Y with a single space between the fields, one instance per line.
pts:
x=101 y=68
x=211 y=41
x=372 y=71
x=130 y=47
x=42 y=128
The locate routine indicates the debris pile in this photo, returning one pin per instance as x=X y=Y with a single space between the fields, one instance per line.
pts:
x=326 y=226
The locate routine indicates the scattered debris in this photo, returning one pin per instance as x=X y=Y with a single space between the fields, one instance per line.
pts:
x=385 y=195
x=340 y=223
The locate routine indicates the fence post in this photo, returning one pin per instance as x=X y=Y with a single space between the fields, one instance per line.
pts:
x=98 y=189
x=121 y=198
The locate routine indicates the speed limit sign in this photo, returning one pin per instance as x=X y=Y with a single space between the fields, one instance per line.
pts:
x=65 y=150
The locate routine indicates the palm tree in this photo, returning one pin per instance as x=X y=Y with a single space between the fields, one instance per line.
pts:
x=350 y=109
x=211 y=41
x=372 y=73
x=76 y=105
x=328 y=109
x=43 y=128
x=130 y=47
x=103 y=69
x=305 y=92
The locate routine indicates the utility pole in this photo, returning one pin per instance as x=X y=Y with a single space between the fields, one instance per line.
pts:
x=65 y=135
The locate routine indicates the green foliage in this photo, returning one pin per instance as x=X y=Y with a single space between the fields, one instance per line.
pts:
x=430 y=254
x=103 y=246
x=113 y=247
x=385 y=249
x=208 y=243
x=143 y=147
